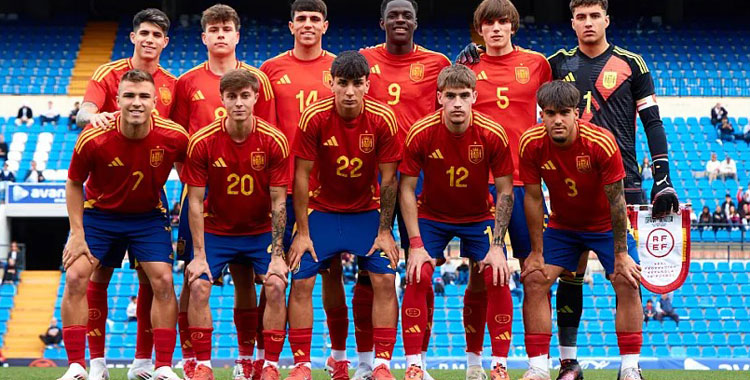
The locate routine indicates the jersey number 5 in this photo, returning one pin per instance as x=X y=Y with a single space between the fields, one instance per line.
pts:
x=503 y=101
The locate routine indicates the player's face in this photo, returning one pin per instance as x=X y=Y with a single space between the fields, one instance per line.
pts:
x=221 y=38
x=496 y=33
x=399 y=22
x=350 y=93
x=149 y=41
x=590 y=23
x=136 y=101
x=239 y=103
x=560 y=124
x=308 y=27
x=457 y=103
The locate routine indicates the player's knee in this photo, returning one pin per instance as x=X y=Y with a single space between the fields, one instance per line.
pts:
x=425 y=277
x=76 y=281
x=200 y=290
x=624 y=289
x=161 y=282
x=535 y=283
x=383 y=283
x=302 y=289
x=274 y=289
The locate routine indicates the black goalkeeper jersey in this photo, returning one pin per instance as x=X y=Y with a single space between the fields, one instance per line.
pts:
x=610 y=86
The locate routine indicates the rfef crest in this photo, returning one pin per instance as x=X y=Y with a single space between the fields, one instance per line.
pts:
x=416 y=72
x=583 y=164
x=258 y=160
x=522 y=75
x=366 y=142
x=156 y=157
x=476 y=153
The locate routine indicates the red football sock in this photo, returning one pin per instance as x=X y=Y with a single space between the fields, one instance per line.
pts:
x=144 y=340
x=184 y=327
x=430 y=314
x=537 y=344
x=338 y=326
x=630 y=342
x=385 y=339
x=96 y=294
x=74 y=338
x=414 y=314
x=274 y=344
x=200 y=337
x=475 y=317
x=362 y=311
x=164 y=342
x=259 y=339
x=246 y=321
x=300 y=341
x=499 y=316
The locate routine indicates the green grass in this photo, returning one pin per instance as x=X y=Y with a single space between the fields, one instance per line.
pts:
x=24 y=373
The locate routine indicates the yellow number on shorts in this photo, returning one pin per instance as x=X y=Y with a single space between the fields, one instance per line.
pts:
x=140 y=176
x=344 y=163
x=394 y=90
x=572 y=187
x=312 y=97
x=488 y=232
x=503 y=101
x=457 y=176
x=245 y=184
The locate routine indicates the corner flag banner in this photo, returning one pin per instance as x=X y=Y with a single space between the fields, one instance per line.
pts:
x=663 y=247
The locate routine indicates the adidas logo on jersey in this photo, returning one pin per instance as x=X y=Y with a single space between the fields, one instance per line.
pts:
x=198 y=96
x=482 y=75
x=504 y=336
x=375 y=70
x=284 y=80
x=569 y=78
x=436 y=155
x=116 y=163
x=549 y=166
x=220 y=163
x=331 y=142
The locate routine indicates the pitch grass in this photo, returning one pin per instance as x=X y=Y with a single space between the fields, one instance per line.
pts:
x=25 y=373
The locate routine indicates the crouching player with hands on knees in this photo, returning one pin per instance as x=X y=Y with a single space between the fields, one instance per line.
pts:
x=243 y=159
x=582 y=167
x=456 y=147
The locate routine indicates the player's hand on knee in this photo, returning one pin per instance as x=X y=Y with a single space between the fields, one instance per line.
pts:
x=470 y=54
x=196 y=268
x=417 y=258
x=102 y=120
x=496 y=262
x=665 y=202
x=628 y=269
x=300 y=245
x=277 y=268
x=75 y=248
x=533 y=263
x=384 y=242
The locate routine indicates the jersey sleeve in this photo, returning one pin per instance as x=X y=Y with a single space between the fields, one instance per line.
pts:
x=545 y=71
x=610 y=165
x=306 y=141
x=529 y=169
x=501 y=163
x=279 y=165
x=413 y=159
x=182 y=145
x=265 y=108
x=643 y=83
x=389 y=145
x=181 y=108
x=195 y=171
x=80 y=163
x=96 y=92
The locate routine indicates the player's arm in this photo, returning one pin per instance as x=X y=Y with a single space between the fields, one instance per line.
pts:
x=89 y=114
x=198 y=265
x=278 y=266
x=302 y=242
x=533 y=206
x=76 y=245
x=624 y=264
x=388 y=191
x=495 y=258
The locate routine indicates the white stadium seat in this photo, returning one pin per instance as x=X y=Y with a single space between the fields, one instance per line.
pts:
x=40 y=157
x=17 y=146
x=14 y=155
x=13 y=164
x=21 y=137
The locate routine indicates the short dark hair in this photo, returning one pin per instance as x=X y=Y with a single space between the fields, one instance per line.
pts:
x=237 y=79
x=154 y=16
x=137 y=76
x=558 y=95
x=384 y=5
x=350 y=65
x=587 y=3
x=220 y=13
x=310 y=6
x=456 y=76
x=490 y=10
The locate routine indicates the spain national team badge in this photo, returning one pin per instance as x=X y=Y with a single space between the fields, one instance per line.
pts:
x=156 y=157
x=327 y=78
x=522 y=75
x=609 y=80
x=583 y=164
x=416 y=72
x=165 y=95
x=258 y=160
x=476 y=153
x=366 y=142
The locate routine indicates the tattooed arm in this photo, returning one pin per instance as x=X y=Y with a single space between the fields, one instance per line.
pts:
x=495 y=258
x=89 y=114
x=624 y=264
x=388 y=189
x=278 y=266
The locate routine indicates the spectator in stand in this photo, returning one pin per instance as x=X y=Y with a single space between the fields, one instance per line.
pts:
x=649 y=311
x=693 y=215
x=72 y=117
x=349 y=267
x=712 y=168
x=11 y=264
x=718 y=219
x=51 y=116
x=726 y=130
x=746 y=133
x=704 y=220
x=439 y=286
x=734 y=218
x=646 y=169
x=3 y=148
x=53 y=336
x=33 y=175
x=727 y=205
x=25 y=116
x=448 y=271
x=743 y=197
x=728 y=169
x=717 y=114
x=174 y=214
x=132 y=310
x=463 y=273
x=664 y=308
x=6 y=175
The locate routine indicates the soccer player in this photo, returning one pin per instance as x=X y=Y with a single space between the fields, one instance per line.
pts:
x=404 y=76
x=345 y=140
x=582 y=167
x=149 y=37
x=455 y=148
x=125 y=167
x=299 y=78
x=197 y=104
x=243 y=159
x=616 y=85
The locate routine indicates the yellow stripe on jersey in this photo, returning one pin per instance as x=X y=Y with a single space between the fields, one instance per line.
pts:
x=532 y=52
x=200 y=66
x=422 y=125
x=385 y=112
x=85 y=139
x=275 y=134
x=425 y=50
x=492 y=125
x=637 y=58
x=323 y=105
x=262 y=78
x=167 y=73
x=600 y=139
x=531 y=135
x=563 y=52
x=207 y=131
x=601 y=135
x=106 y=68
x=168 y=124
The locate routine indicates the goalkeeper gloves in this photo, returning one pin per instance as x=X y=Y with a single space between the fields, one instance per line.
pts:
x=663 y=196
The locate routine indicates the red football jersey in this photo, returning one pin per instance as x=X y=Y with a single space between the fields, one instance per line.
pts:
x=297 y=84
x=575 y=176
x=456 y=166
x=126 y=176
x=198 y=101
x=506 y=88
x=407 y=83
x=102 y=88
x=239 y=175
x=346 y=154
